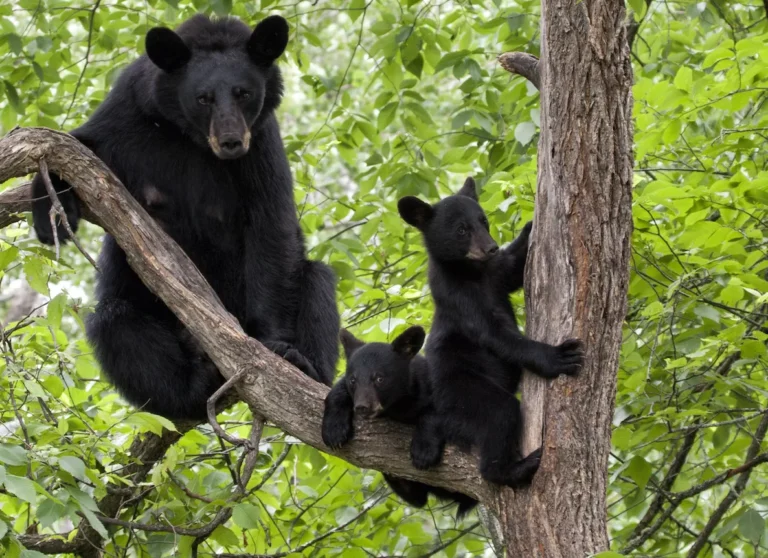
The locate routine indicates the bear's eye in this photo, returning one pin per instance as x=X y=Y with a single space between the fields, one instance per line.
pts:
x=204 y=99
x=352 y=380
x=379 y=380
x=241 y=94
x=462 y=230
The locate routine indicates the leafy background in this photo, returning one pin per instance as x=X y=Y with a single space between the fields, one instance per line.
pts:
x=385 y=99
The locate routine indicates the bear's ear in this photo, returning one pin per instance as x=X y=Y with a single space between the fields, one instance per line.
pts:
x=268 y=40
x=409 y=342
x=469 y=189
x=166 y=49
x=414 y=211
x=349 y=342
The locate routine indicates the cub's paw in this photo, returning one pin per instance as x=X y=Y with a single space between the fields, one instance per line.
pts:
x=292 y=355
x=336 y=433
x=568 y=357
x=521 y=473
x=425 y=455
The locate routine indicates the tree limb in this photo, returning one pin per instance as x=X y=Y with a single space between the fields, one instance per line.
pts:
x=273 y=388
x=521 y=63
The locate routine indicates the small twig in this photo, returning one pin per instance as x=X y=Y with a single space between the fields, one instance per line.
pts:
x=522 y=63
x=211 y=409
x=58 y=209
x=251 y=453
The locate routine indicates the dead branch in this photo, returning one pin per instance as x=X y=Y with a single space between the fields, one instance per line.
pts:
x=521 y=63
x=57 y=210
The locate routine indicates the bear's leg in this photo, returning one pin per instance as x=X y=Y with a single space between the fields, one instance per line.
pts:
x=428 y=441
x=501 y=460
x=317 y=324
x=411 y=492
x=150 y=362
x=338 y=426
x=41 y=207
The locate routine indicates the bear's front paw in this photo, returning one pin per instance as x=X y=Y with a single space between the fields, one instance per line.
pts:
x=292 y=355
x=425 y=455
x=42 y=219
x=336 y=433
x=568 y=357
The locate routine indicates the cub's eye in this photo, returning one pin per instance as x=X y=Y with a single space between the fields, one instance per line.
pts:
x=462 y=230
x=352 y=380
x=241 y=94
x=204 y=99
x=379 y=380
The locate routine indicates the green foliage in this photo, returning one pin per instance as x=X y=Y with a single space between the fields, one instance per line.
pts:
x=385 y=99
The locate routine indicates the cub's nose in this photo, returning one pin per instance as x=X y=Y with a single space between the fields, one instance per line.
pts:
x=491 y=251
x=363 y=411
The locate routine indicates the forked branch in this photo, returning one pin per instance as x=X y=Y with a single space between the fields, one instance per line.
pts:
x=274 y=389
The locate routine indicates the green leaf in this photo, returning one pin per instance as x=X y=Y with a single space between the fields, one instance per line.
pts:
x=246 y=516
x=74 y=466
x=12 y=455
x=684 y=78
x=752 y=526
x=56 y=309
x=13 y=98
x=21 y=487
x=524 y=132
x=639 y=470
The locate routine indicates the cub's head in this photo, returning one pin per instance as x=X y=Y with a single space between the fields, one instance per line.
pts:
x=378 y=374
x=217 y=79
x=455 y=229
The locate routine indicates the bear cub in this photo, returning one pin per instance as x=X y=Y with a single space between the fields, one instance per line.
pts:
x=476 y=352
x=389 y=381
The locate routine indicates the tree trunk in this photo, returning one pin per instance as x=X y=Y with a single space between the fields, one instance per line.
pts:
x=577 y=276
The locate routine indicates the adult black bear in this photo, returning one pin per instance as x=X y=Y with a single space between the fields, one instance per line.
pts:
x=388 y=381
x=476 y=352
x=190 y=130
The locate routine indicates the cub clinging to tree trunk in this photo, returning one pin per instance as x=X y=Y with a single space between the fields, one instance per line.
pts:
x=190 y=130
x=475 y=350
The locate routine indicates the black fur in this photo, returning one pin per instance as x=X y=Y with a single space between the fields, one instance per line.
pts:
x=190 y=130
x=390 y=381
x=476 y=352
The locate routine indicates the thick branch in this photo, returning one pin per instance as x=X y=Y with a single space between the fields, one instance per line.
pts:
x=521 y=63
x=273 y=388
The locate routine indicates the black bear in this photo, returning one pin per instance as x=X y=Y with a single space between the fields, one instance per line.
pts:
x=475 y=351
x=389 y=381
x=190 y=130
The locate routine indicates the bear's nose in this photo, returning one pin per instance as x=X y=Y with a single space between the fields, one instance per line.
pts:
x=492 y=250
x=231 y=145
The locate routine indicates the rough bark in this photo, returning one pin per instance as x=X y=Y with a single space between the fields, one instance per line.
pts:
x=577 y=276
x=273 y=388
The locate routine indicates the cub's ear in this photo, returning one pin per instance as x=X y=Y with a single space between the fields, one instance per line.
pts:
x=414 y=211
x=349 y=342
x=166 y=49
x=268 y=40
x=409 y=342
x=469 y=189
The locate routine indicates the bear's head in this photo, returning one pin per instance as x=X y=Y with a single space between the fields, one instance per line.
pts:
x=217 y=80
x=455 y=229
x=378 y=374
